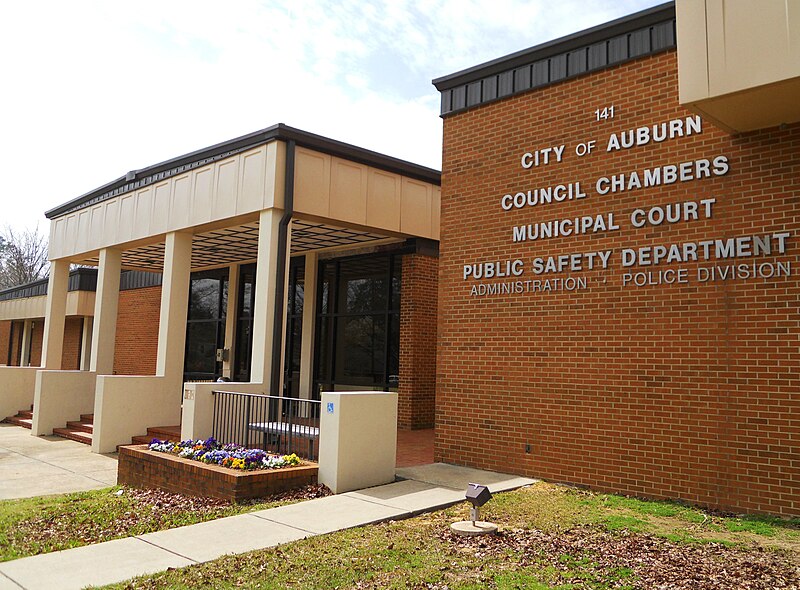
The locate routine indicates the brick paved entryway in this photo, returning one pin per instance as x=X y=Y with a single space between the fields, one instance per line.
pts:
x=414 y=447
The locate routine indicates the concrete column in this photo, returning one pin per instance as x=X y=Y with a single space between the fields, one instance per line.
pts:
x=27 y=333
x=309 y=327
x=230 y=320
x=174 y=306
x=105 y=312
x=264 y=299
x=55 y=315
x=86 y=343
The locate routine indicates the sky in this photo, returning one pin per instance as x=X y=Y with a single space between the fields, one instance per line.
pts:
x=91 y=89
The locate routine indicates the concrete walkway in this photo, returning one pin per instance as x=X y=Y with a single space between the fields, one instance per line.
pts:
x=43 y=465
x=424 y=488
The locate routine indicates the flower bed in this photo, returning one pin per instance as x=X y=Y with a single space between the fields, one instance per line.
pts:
x=230 y=455
x=141 y=467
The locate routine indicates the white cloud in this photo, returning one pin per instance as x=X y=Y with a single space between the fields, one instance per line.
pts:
x=92 y=89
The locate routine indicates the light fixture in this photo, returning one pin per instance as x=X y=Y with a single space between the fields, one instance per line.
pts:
x=477 y=495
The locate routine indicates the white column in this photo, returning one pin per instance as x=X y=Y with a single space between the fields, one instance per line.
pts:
x=230 y=320
x=174 y=306
x=106 y=303
x=86 y=343
x=55 y=315
x=309 y=327
x=264 y=312
x=27 y=333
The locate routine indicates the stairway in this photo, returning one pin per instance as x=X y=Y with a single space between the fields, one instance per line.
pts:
x=172 y=433
x=79 y=431
x=23 y=418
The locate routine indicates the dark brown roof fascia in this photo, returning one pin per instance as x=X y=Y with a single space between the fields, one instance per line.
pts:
x=589 y=36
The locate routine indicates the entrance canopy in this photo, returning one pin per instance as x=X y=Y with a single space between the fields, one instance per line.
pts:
x=339 y=195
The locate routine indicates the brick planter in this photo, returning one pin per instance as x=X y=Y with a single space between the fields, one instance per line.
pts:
x=142 y=468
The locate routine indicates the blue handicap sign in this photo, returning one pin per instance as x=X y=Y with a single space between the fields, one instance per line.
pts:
x=330 y=407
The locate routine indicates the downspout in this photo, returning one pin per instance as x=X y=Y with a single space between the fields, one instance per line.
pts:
x=280 y=269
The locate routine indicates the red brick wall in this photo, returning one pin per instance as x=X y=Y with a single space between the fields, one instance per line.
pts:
x=683 y=391
x=137 y=331
x=418 y=315
x=37 y=339
x=71 y=351
x=16 y=344
x=5 y=332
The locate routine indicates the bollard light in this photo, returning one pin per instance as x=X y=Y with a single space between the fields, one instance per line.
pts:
x=477 y=495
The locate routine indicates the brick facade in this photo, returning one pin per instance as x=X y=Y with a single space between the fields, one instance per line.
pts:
x=71 y=350
x=37 y=340
x=6 y=343
x=685 y=391
x=418 y=316
x=136 y=343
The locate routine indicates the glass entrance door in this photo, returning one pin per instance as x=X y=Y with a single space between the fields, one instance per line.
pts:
x=205 y=328
x=358 y=323
x=243 y=354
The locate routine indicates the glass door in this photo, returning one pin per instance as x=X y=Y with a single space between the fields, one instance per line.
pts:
x=243 y=352
x=294 y=327
x=205 y=329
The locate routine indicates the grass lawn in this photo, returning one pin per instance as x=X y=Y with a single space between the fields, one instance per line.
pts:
x=51 y=523
x=551 y=537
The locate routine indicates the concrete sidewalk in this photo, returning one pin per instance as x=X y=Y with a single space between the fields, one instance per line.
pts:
x=423 y=488
x=43 y=465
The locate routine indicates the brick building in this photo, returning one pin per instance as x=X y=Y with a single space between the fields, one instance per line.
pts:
x=607 y=296
x=619 y=264
x=282 y=261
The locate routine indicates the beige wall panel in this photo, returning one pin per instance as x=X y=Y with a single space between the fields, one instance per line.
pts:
x=161 y=203
x=692 y=44
x=224 y=201
x=144 y=211
x=436 y=212
x=203 y=192
x=275 y=172
x=415 y=209
x=739 y=56
x=312 y=182
x=84 y=229
x=96 y=226
x=179 y=207
x=71 y=233
x=79 y=303
x=732 y=56
x=252 y=182
x=58 y=227
x=127 y=209
x=112 y=223
x=348 y=191
x=23 y=309
x=383 y=200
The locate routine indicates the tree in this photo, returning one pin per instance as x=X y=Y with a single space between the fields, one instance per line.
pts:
x=23 y=256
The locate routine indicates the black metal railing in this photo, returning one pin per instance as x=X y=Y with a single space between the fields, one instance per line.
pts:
x=281 y=425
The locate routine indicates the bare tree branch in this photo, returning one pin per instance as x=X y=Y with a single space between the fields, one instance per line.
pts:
x=23 y=256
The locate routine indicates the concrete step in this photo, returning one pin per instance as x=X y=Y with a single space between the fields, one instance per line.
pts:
x=172 y=433
x=17 y=421
x=87 y=418
x=81 y=426
x=76 y=435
